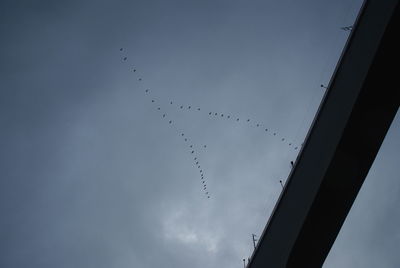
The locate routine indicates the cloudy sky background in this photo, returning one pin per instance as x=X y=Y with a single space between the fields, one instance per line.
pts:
x=91 y=173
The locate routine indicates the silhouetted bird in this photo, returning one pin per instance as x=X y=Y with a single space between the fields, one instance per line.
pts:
x=229 y=116
x=205 y=146
x=192 y=152
x=125 y=58
x=209 y=113
x=216 y=113
x=185 y=139
x=191 y=146
x=248 y=120
x=140 y=79
x=181 y=107
x=266 y=129
x=170 y=121
x=134 y=70
x=258 y=125
x=163 y=115
x=170 y=102
x=146 y=90
x=283 y=139
x=295 y=148
x=237 y=119
x=347 y=28
x=291 y=163
x=222 y=115
x=189 y=107
x=121 y=49
x=198 y=109
x=152 y=100
x=158 y=108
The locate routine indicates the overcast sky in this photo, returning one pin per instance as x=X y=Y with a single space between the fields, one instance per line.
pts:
x=93 y=175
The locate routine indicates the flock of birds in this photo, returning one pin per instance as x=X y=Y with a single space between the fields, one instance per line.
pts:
x=193 y=149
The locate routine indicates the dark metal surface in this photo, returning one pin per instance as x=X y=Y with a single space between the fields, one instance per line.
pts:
x=354 y=117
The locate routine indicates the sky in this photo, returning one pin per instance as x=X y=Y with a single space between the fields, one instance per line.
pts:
x=93 y=175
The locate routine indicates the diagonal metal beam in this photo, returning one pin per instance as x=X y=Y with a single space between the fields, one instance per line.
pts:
x=348 y=130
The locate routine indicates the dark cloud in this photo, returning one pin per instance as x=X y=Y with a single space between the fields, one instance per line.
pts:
x=92 y=174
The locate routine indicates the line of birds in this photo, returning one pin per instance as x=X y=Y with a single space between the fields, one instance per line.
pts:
x=193 y=152
x=192 y=148
x=234 y=119
x=226 y=116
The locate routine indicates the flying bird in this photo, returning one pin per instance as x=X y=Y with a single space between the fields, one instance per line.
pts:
x=121 y=49
x=170 y=121
x=125 y=58
x=347 y=28
x=146 y=90
x=140 y=79
x=192 y=152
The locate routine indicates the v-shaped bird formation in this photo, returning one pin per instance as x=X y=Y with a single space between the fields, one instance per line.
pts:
x=193 y=149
